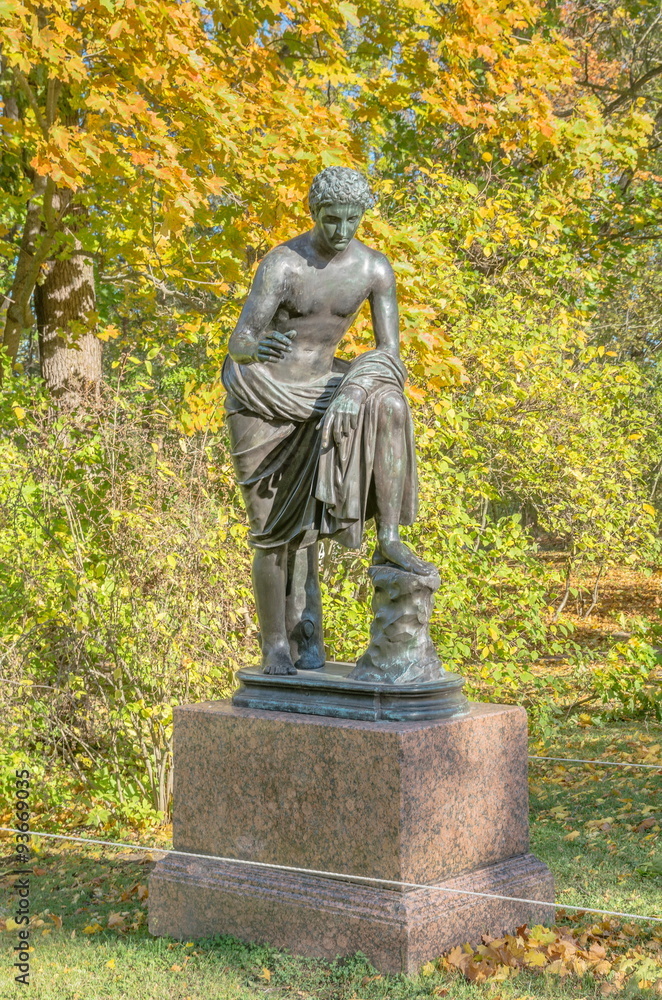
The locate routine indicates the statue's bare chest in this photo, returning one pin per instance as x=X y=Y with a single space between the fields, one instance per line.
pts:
x=337 y=291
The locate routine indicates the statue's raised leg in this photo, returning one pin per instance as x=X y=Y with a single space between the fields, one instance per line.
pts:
x=389 y=470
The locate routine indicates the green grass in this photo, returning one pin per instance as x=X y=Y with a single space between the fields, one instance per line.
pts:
x=599 y=867
x=83 y=886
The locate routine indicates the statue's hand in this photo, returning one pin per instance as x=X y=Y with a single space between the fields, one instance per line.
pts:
x=274 y=346
x=342 y=415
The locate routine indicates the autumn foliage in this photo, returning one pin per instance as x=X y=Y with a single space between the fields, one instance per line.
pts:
x=151 y=153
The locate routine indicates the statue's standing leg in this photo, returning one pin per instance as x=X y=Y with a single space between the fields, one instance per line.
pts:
x=389 y=470
x=303 y=609
x=269 y=586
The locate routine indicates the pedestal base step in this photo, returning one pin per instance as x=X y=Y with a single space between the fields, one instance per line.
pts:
x=325 y=917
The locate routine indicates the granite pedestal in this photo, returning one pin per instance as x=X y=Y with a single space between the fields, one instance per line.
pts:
x=441 y=802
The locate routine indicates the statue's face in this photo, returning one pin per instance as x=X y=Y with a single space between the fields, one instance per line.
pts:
x=336 y=225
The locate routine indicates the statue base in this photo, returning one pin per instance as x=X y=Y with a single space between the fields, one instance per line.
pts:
x=327 y=918
x=332 y=693
x=435 y=803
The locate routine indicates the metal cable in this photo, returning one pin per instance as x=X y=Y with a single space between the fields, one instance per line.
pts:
x=605 y=763
x=340 y=875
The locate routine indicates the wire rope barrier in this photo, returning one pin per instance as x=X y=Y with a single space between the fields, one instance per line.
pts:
x=604 y=763
x=345 y=876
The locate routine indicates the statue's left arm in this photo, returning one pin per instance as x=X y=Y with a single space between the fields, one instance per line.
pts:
x=342 y=415
x=384 y=308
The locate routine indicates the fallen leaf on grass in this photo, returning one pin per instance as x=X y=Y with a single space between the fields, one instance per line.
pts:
x=602 y=968
x=542 y=935
x=557 y=968
x=92 y=929
x=180 y=968
x=116 y=920
x=110 y=964
x=572 y=836
x=266 y=975
x=597 y=950
x=39 y=871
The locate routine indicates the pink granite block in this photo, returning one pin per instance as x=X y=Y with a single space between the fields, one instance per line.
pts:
x=410 y=801
x=326 y=918
x=443 y=801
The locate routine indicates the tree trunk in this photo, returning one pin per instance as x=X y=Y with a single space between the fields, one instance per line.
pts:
x=34 y=249
x=70 y=354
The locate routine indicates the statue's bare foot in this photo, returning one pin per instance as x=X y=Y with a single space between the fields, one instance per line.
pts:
x=394 y=550
x=277 y=660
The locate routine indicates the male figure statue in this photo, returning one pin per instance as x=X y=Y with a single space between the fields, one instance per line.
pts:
x=319 y=445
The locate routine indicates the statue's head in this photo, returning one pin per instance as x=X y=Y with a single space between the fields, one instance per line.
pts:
x=338 y=197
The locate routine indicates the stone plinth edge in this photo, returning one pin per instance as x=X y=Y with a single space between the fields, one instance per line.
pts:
x=328 y=917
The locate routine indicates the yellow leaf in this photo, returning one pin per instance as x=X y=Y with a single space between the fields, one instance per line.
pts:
x=572 y=836
x=349 y=12
x=116 y=920
x=557 y=968
x=428 y=969
x=110 y=964
x=10 y=924
x=19 y=412
x=542 y=935
x=535 y=959
x=266 y=975
x=175 y=968
x=649 y=508
x=92 y=929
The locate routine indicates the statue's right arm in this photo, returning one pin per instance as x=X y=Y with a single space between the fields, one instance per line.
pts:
x=252 y=339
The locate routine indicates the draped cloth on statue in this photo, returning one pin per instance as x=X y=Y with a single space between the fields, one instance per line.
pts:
x=292 y=488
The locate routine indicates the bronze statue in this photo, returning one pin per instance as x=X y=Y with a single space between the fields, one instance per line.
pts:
x=319 y=445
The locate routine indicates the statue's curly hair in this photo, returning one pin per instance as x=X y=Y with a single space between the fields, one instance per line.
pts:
x=341 y=184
